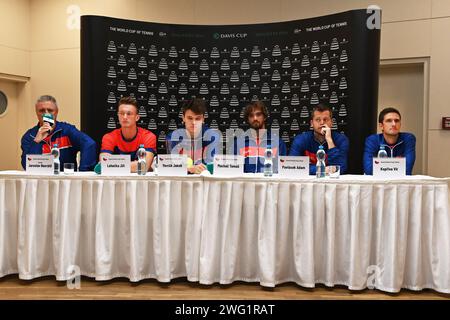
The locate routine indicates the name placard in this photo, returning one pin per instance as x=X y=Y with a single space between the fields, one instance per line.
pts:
x=172 y=165
x=116 y=164
x=228 y=165
x=39 y=164
x=389 y=167
x=290 y=166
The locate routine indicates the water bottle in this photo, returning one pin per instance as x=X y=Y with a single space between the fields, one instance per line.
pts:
x=320 y=164
x=382 y=153
x=55 y=154
x=268 y=162
x=142 y=162
x=155 y=165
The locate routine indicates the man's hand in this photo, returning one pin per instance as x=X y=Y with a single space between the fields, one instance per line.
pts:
x=197 y=169
x=43 y=132
x=326 y=131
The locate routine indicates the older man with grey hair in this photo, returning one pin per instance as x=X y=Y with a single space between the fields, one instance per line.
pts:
x=49 y=131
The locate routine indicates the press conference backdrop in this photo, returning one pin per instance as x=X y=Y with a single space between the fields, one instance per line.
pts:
x=291 y=66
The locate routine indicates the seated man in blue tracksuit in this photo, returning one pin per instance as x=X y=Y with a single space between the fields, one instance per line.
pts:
x=195 y=140
x=41 y=138
x=396 y=143
x=335 y=144
x=254 y=142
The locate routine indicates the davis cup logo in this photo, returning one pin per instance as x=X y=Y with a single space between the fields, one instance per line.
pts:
x=377 y=162
x=229 y=35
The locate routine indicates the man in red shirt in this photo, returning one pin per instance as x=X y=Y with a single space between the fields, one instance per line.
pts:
x=129 y=137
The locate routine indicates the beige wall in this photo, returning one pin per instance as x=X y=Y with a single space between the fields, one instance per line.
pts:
x=15 y=37
x=14 y=73
x=42 y=46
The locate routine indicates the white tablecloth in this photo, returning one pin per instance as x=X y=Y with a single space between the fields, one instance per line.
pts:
x=108 y=227
x=356 y=230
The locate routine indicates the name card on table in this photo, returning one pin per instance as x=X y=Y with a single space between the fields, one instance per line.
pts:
x=116 y=164
x=39 y=164
x=290 y=166
x=389 y=167
x=228 y=165
x=172 y=165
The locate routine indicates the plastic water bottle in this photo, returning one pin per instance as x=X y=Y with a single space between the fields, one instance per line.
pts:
x=55 y=154
x=142 y=162
x=268 y=162
x=382 y=153
x=320 y=164
x=155 y=164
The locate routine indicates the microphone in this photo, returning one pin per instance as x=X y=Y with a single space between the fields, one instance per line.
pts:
x=48 y=117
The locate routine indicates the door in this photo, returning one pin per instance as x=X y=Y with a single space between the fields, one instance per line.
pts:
x=9 y=127
x=402 y=86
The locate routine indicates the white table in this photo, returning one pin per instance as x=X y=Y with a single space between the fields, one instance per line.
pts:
x=355 y=231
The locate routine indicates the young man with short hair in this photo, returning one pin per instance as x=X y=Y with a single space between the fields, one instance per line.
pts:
x=335 y=144
x=396 y=143
x=128 y=138
x=195 y=139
